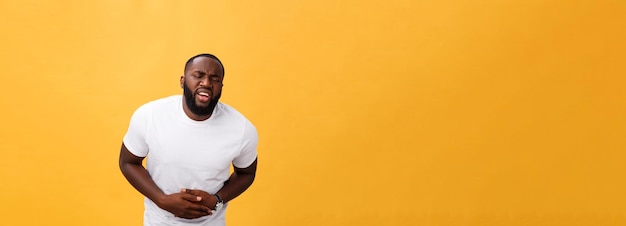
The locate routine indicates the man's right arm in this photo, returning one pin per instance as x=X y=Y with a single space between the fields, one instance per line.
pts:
x=180 y=204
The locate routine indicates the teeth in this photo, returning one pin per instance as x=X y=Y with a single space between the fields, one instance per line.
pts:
x=203 y=94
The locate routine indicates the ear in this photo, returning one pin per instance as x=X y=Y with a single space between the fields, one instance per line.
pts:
x=182 y=81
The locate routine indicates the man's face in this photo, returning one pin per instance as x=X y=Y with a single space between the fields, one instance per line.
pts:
x=202 y=85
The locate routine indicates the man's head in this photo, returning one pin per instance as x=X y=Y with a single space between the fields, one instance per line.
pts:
x=202 y=85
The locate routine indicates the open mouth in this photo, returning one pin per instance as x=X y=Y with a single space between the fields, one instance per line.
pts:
x=203 y=95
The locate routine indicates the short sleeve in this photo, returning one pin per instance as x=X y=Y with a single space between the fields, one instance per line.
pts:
x=135 y=138
x=249 y=147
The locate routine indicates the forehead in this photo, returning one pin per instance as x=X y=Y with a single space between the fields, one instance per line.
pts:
x=207 y=65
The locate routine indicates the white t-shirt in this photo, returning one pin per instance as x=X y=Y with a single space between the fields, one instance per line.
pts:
x=183 y=153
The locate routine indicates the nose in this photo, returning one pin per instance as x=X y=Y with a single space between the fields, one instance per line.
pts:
x=205 y=81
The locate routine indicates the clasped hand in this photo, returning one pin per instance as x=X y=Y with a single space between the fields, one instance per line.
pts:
x=188 y=203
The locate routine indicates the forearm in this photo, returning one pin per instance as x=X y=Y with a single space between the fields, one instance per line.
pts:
x=139 y=178
x=239 y=181
x=235 y=186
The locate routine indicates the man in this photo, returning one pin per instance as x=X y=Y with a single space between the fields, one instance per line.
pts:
x=191 y=140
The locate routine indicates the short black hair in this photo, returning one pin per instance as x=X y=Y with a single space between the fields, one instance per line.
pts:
x=203 y=55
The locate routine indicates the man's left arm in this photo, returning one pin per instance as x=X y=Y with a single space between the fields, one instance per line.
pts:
x=238 y=182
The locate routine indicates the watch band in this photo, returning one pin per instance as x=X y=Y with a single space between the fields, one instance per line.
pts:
x=219 y=199
x=219 y=204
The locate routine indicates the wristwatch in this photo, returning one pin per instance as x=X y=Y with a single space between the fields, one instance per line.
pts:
x=220 y=204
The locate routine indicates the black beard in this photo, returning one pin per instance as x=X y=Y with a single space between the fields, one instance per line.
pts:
x=190 y=101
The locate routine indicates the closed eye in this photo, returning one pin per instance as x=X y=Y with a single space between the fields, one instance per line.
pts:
x=198 y=74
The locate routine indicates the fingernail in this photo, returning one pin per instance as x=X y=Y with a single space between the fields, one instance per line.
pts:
x=199 y=198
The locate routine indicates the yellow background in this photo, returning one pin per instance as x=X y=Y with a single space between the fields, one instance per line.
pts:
x=454 y=112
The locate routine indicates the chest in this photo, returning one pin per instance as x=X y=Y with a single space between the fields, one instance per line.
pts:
x=206 y=147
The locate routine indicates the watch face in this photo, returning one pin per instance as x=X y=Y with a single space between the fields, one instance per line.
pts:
x=218 y=206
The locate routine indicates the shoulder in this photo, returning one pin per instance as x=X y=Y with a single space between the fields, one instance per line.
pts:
x=161 y=105
x=228 y=110
x=166 y=101
x=232 y=114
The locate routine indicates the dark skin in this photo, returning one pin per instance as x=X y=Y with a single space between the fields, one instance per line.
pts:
x=204 y=76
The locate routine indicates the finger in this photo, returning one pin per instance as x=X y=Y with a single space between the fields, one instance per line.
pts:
x=189 y=191
x=193 y=192
x=191 y=198
x=196 y=214
x=192 y=214
x=198 y=207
